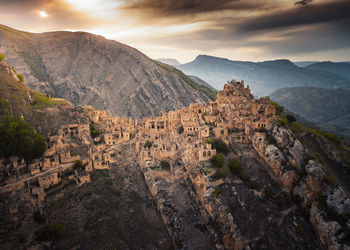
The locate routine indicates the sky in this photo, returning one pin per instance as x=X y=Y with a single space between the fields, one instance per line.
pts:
x=251 y=30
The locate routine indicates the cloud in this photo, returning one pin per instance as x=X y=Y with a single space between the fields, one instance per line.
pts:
x=25 y=14
x=303 y=2
x=316 y=13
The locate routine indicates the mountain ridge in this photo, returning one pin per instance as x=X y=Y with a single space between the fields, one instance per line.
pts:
x=90 y=70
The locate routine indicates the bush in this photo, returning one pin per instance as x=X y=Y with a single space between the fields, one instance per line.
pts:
x=270 y=139
x=235 y=166
x=279 y=109
x=180 y=129
x=148 y=144
x=291 y=118
x=78 y=164
x=165 y=165
x=39 y=217
x=20 y=77
x=2 y=57
x=269 y=193
x=209 y=141
x=18 y=138
x=244 y=177
x=330 y=180
x=217 y=192
x=94 y=132
x=222 y=172
x=50 y=232
x=255 y=185
x=220 y=146
x=218 y=160
x=282 y=122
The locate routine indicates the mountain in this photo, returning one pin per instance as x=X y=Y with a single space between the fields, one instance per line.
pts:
x=304 y=63
x=87 y=69
x=329 y=109
x=341 y=68
x=170 y=61
x=200 y=81
x=263 y=77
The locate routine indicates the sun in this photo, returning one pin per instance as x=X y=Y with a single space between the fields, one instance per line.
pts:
x=43 y=14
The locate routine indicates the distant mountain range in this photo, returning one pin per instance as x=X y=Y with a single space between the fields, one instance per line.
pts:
x=329 y=109
x=87 y=69
x=263 y=77
x=171 y=62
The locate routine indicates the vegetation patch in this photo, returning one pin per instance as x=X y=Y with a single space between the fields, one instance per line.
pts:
x=270 y=139
x=18 y=138
x=2 y=57
x=148 y=144
x=254 y=184
x=51 y=232
x=39 y=217
x=269 y=193
x=220 y=146
x=279 y=109
x=236 y=169
x=165 y=165
x=218 y=160
x=94 y=131
x=217 y=192
x=20 y=77
x=78 y=164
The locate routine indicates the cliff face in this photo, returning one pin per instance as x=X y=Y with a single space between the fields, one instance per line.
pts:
x=90 y=70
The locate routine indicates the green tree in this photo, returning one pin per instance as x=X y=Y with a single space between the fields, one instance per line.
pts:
x=2 y=57
x=78 y=164
x=19 y=138
x=148 y=144
x=94 y=132
x=20 y=77
x=220 y=146
x=218 y=160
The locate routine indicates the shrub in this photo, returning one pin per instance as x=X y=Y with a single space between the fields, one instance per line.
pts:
x=19 y=138
x=291 y=118
x=180 y=129
x=220 y=146
x=2 y=57
x=148 y=144
x=279 y=109
x=39 y=217
x=235 y=166
x=50 y=232
x=78 y=164
x=209 y=141
x=255 y=185
x=298 y=229
x=165 y=165
x=218 y=160
x=217 y=192
x=222 y=172
x=282 y=122
x=329 y=179
x=269 y=193
x=20 y=77
x=270 y=139
x=94 y=132
x=243 y=176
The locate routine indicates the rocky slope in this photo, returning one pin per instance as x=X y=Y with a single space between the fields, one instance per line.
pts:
x=88 y=69
x=328 y=108
x=263 y=77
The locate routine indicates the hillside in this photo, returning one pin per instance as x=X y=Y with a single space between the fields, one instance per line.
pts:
x=328 y=108
x=263 y=77
x=88 y=69
x=341 y=68
x=200 y=81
